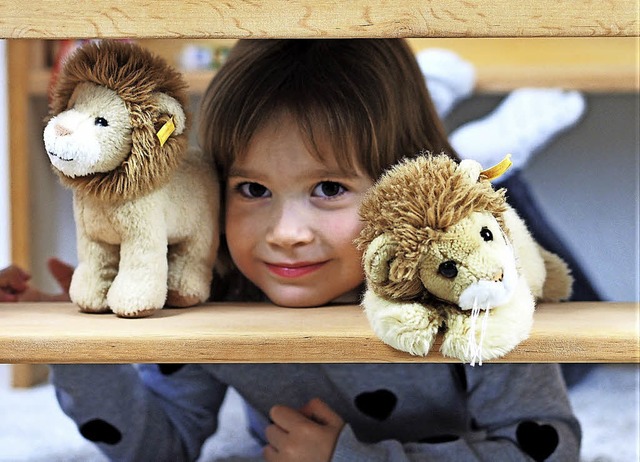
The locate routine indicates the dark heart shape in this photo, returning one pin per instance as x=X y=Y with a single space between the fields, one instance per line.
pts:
x=377 y=404
x=99 y=431
x=539 y=441
x=168 y=369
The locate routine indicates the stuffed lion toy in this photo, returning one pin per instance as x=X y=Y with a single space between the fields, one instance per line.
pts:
x=444 y=253
x=145 y=206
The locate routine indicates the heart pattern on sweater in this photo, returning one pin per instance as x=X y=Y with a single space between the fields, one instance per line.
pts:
x=539 y=441
x=378 y=404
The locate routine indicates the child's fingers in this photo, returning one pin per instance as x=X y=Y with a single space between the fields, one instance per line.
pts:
x=61 y=272
x=7 y=297
x=13 y=279
x=270 y=453
x=275 y=435
x=19 y=273
x=14 y=274
x=286 y=418
x=318 y=411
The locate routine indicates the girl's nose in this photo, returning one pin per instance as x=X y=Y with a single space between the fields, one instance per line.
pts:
x=291 y=226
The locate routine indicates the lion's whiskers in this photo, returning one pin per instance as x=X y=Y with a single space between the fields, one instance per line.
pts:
x=474 y=349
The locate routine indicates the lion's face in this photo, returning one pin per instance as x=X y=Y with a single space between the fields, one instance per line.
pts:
x=92 y=136
x=470 y=264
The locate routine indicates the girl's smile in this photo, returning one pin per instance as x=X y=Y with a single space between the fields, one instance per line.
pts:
x=291 y=218
x=294 y=270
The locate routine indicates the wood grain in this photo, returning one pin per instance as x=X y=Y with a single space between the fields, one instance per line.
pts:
x=58 y=333
x=316 y=18
x=19 y=195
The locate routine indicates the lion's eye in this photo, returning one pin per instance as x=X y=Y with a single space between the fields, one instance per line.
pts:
x=101 y=121
x=448 y=269
x=486 y=234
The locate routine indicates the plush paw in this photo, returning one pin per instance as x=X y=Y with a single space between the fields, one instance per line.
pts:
x=177 y=300
x=133 y=298
x=483 y=338
x=416 y=341
x=409 y=327
x=188 y=288
x=88 y=291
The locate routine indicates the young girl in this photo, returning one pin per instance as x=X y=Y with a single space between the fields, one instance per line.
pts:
x=299 y=130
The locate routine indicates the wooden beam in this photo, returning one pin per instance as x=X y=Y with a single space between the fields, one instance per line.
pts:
x=28 y=375
x=597 y=65
x=58 y=333
x=54 y=19
x=18 y=63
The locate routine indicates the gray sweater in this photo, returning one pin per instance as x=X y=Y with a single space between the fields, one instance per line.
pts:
x=394 y=412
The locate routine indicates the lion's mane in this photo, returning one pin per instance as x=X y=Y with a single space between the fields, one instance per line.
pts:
x=413 y=203
x=135 y=74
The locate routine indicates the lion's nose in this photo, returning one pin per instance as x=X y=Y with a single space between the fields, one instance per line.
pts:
x=61 y=130
x=498 y=276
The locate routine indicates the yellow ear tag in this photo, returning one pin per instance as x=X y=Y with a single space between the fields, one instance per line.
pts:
x=497 y=170
x=165 y=131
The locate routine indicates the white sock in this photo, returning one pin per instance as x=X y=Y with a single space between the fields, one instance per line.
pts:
x=449 y=78
x=526 y=121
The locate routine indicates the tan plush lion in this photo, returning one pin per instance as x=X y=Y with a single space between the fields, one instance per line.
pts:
x=443 y=252
x=145 y=206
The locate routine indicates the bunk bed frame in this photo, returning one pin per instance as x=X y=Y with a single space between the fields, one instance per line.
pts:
x=56 y=332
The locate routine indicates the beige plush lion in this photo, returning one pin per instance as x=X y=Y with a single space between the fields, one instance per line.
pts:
x=145 y=207
x=443 y=252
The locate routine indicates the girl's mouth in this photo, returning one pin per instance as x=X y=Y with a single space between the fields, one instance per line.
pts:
x=294 y=270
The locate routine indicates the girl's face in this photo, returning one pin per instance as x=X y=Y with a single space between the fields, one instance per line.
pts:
x=291 y=219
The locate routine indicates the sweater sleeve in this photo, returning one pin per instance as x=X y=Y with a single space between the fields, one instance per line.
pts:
x=145 y=413
x=519 y=412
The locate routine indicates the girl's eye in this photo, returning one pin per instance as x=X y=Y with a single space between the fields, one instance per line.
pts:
x=253 y=190
x=101 y=121
x=328 y=189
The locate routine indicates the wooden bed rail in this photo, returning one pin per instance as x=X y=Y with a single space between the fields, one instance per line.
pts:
x=45 y=333
x=52 y=19
x=58 y=333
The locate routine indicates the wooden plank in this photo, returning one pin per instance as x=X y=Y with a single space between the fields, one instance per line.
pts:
x=18 y=63
x=18 y=69
x=58 y=333
x=28 y=375
x=603 y=65
x=317 y=18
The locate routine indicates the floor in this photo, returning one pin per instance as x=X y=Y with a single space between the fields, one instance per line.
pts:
x=33 y=429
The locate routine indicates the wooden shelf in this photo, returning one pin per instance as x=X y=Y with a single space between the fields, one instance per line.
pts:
x=58 y=333
x=605 y=65
x=316 y=18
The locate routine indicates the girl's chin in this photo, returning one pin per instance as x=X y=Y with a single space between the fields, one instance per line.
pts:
x=309 y=298
x=296 y=299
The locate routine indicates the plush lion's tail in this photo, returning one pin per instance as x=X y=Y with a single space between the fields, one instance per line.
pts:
x=558 y=283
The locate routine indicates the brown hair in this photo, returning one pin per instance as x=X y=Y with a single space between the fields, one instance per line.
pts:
x=366 y=97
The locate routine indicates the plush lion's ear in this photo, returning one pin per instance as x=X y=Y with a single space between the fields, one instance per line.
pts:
x=378 y=257
x=382 y=265
x=471 y=169
x=171 y=106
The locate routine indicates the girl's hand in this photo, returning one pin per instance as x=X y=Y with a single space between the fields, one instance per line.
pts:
x=14 y=286
x=13 y=283
x=308 y=434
